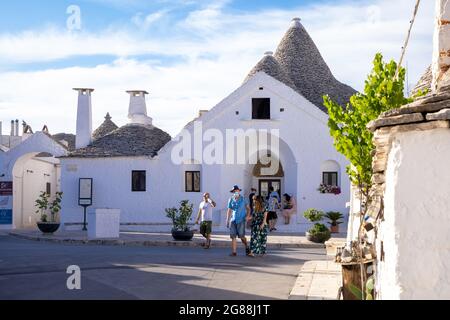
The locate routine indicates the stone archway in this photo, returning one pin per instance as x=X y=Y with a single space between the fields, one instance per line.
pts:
x=264 y=181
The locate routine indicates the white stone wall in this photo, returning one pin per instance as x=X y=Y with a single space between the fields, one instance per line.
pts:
x=415 y=233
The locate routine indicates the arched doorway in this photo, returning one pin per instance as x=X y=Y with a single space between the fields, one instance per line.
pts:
x=264 y=180
x=32 y=174
x=30 y=168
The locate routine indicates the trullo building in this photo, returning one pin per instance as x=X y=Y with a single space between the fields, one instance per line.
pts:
x=133 y=167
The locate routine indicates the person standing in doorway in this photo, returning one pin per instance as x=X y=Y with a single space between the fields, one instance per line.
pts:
x=273 y=204
x=205 y=216
x=238 y=214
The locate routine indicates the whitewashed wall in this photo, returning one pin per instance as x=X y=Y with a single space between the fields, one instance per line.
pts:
x=415 y=234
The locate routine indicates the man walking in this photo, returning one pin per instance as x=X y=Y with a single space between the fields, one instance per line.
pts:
x=238 y=214
x=205 y=216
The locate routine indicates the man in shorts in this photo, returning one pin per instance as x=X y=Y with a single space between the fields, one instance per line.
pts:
x=238 y=214
x=205 y=216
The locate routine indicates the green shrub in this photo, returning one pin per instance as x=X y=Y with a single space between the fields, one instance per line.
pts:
x=314 y=215
x=319 y=232
x=180 y=217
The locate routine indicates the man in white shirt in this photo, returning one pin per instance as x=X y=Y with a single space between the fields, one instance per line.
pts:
x=205 y=216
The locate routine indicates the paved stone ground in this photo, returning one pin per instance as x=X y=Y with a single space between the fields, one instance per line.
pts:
x=219 y=240
x=37 y=270
x=318 y=280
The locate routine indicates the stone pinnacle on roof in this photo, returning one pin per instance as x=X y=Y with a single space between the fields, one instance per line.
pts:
x=106 y=128
x=298 y=64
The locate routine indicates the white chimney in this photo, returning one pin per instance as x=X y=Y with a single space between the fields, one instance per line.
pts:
x=137 y=113
x=441 y=42
x=84 y=118
x=12 y=128
x=16 y=128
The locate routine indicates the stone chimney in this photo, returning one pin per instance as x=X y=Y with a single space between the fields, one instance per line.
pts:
x=12 y=129
x=16 y=128
x=84 y=118
x=137 y=113
x=441 y=43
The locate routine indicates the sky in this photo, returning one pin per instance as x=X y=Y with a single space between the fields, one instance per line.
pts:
x=188 y=54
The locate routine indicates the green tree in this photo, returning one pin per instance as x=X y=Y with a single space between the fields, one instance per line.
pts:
x=348 y=125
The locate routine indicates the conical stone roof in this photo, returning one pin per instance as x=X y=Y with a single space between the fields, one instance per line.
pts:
x=107 y=127
x=273 y=68
x=304 y=69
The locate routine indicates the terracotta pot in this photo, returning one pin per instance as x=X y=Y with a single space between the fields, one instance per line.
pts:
x=334 y=229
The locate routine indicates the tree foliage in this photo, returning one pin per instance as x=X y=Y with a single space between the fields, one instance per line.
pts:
x=348 y=125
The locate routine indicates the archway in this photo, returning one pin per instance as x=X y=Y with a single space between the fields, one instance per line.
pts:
x=32 y=174
x=283 y=176
x=28 y=167
x=263 y=179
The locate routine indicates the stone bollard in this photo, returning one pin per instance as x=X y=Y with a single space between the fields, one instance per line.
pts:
x=104 y=224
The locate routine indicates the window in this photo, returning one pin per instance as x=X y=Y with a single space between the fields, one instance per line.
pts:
x=330 y=179
x=139 y=181
x=261 y=108
x=192 y=180
x=48 y=188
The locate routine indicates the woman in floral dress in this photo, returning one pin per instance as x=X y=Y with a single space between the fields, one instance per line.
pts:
x=259 y=228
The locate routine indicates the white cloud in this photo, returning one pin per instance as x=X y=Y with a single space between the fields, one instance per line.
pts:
x=145 y=22
x=218 y=49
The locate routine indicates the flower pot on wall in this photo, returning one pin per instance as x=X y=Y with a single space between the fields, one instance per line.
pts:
x=48 y=227
x=183 y=235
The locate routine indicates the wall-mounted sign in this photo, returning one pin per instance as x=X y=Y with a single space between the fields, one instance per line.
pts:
x=85 y=192
x=6 y=188
x=6 y=216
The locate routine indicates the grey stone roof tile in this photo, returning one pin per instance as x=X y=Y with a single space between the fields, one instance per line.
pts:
x=107 y=127
x=131 y=140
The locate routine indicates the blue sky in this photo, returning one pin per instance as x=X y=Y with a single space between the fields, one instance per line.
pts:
x=189 y=54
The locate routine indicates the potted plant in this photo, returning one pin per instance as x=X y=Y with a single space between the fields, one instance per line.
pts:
x=335 y=220
x=180 y=218
x=43 y=204
x=319 y=233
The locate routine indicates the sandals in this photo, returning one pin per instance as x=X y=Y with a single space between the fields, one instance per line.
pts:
x=233 y=254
